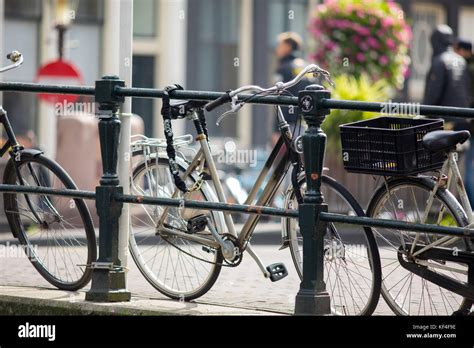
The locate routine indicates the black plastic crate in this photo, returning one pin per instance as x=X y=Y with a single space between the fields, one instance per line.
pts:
x=389 y=146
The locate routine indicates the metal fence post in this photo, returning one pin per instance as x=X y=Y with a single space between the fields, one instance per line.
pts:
x=109 y=276
x=312 y=298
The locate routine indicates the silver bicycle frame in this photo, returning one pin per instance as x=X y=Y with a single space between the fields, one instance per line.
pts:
x=278 y=159
x=451 y=169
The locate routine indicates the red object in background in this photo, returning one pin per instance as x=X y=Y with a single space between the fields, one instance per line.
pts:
x=59 y=72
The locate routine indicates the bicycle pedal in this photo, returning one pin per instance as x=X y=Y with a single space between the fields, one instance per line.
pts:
x=197 y=224
x=208 y=250
x=277 y=271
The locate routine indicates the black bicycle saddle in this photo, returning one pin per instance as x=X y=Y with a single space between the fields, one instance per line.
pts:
x=444 y=139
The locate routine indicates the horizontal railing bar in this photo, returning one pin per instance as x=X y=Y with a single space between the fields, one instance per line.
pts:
x=47 y=191
x=400 y=225
x=427 y=110
x=241 y=208
x=249 y=209
x=204 y=95
x=141 y=93
x=50 y=89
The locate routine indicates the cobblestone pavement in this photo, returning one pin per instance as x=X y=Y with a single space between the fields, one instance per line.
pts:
x=243 y=286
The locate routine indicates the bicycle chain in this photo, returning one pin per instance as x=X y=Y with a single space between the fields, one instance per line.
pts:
x=226 y=264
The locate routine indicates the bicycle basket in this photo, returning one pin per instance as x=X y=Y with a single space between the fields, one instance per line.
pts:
x=389 y=146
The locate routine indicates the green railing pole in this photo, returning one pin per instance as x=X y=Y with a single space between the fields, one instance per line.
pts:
x=109 y=275
x=312 y=298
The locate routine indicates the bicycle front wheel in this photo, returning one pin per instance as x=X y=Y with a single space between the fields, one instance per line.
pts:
x=56 y=232
x=405 y=199
x=351 y=259
x=164 y=250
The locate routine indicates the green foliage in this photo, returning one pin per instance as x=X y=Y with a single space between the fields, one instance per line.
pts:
x=353 y=88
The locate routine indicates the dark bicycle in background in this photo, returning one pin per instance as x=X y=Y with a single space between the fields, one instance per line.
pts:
x=56 y=232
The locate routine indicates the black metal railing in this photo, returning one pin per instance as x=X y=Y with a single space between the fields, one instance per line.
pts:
x=108 y=283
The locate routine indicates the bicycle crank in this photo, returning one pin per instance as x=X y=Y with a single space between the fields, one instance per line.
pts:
x=230 y=250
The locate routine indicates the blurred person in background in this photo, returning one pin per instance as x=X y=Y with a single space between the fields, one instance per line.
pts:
x=447 y=82
x=288 y=52
x=464 y=49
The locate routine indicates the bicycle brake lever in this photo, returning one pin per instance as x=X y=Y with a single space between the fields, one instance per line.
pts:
x=235 y=107
x=326 y=76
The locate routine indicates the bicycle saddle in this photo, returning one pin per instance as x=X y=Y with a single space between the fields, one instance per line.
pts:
x=182 y=108
x=444 y=139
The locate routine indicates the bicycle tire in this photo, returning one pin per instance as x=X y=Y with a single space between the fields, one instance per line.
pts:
x=145 y=269
x=372 y=252
x=446 y=198
x=21 y=219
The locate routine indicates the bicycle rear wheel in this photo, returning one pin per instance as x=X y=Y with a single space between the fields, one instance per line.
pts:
x=351 y=260
x=57 y=232
x=174 y=265
x=404 y=199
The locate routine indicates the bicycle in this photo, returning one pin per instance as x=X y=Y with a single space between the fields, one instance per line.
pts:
x=181 y=251
x=57 y=233
x=422 y=273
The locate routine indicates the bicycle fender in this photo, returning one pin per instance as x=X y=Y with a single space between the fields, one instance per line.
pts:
x=10 y=166
x=32 y=152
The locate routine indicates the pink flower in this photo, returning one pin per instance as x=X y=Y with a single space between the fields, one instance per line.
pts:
x=347 y=24
x=360 y=57
x=391 y=44
x=362 y=30
x=357 y=39
x=372 y=42
x=407 y=32
x=383 y=60
x=387 y=21
x=406 y=72
x=330 y=45
x=316 y=22
x=340 y=23
x=315 y=30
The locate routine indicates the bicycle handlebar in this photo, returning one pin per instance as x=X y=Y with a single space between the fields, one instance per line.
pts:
x=279 y=86
x=226 y=98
